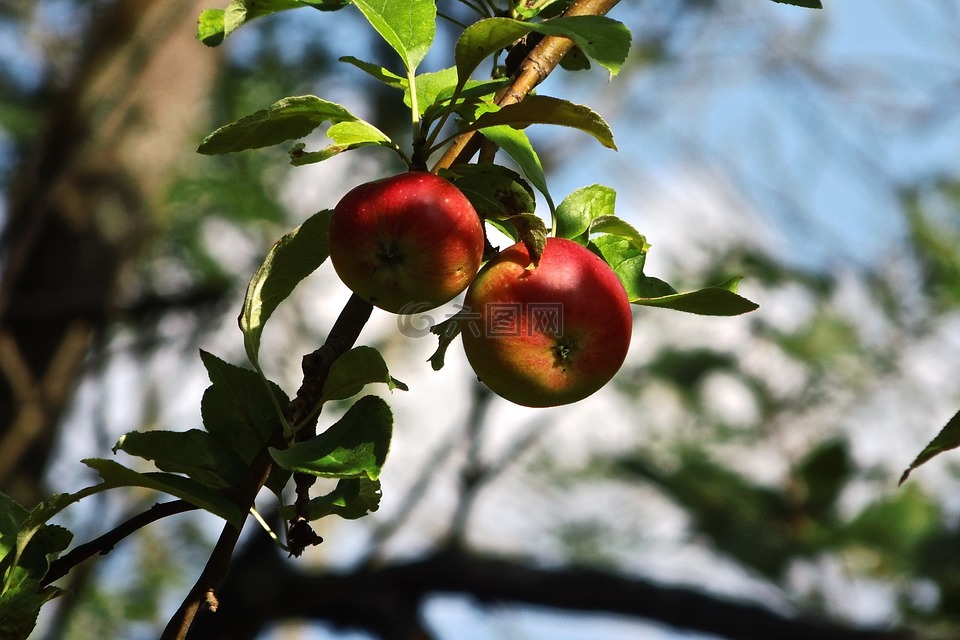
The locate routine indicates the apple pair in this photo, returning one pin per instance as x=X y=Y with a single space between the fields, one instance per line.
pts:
x=538 y=336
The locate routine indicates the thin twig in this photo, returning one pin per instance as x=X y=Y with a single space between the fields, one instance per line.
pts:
x=105 y=543
x=316 y=366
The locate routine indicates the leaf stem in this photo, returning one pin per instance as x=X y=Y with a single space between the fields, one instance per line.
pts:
x=418 y=159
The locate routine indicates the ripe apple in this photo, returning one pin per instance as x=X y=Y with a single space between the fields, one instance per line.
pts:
x=546 y=335
x=410 y=241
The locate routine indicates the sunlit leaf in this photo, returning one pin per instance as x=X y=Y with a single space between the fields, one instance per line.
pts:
x=354 y=370
x=355 y=446
x=579 y=208
x=291 y=259
x=548 y=110
x=516 y=144
x=408 y=26
x=287 y=119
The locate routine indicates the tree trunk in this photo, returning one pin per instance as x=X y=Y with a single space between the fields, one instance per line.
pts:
x=82 y=207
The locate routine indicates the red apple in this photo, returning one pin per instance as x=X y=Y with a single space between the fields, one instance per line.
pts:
x=408 y=242
x=546 y=335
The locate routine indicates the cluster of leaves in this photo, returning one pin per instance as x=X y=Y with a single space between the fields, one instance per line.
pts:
x=245 y=415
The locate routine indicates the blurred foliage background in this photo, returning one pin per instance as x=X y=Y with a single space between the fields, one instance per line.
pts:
x=754 y=459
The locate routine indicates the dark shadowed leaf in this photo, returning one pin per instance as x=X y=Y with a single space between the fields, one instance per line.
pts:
x=947 y=439
x=352 y=498
x=355 y=369
x=194 y=453
x=809 y=4
x=495 y=192
x=237 y=408
x=516 y=144
x=117 y=475
x=721 y=300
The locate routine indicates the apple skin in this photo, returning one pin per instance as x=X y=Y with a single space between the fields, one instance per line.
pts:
x=408 y=242
x=539 y=366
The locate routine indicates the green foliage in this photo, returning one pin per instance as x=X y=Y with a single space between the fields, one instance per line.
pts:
x=295 y=256
x=352 y=498
x=116 y=475
x=26 y=548
x=290 y=119
x=946 y=440
x=809 y=4
x=354 y=370
x=496 y=192
x=408 y=26
x=517 y=145
x=194 y=453
x=602 y=39
x=578 y=210
x=238 y=409
x=354 y=447
x=216 y=24
x=547 y=110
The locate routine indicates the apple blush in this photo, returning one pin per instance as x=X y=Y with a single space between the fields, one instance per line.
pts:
x=546 y=335
x=406 y=243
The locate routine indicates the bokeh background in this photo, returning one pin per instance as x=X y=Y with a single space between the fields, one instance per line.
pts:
x=751 y=461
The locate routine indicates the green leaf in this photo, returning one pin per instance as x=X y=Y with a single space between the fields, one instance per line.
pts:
x=346 y=136
x=578 y=210
x=210 y=27
x=408 y=26
x=447 y=331
x=216 y=24
x=495 y=192
x=430 y=86
x=117 y=475
x=237 y=408
x=355 y=446
x=37 y=542
x=382 y=74
x=20 y=608
x=12 y=515
x=352 y=498
x=27 y=545
x=532 y=232
x=614 y=226
x=809 y=4
x=295 y=256
x=287 y=119
x=547 y=110
x=721 y=300
x=627 y=260
x=947 y=439
x=194 y=453
x=600 y=38
x=355 y=369
x=484 y=38
x=516 y=144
